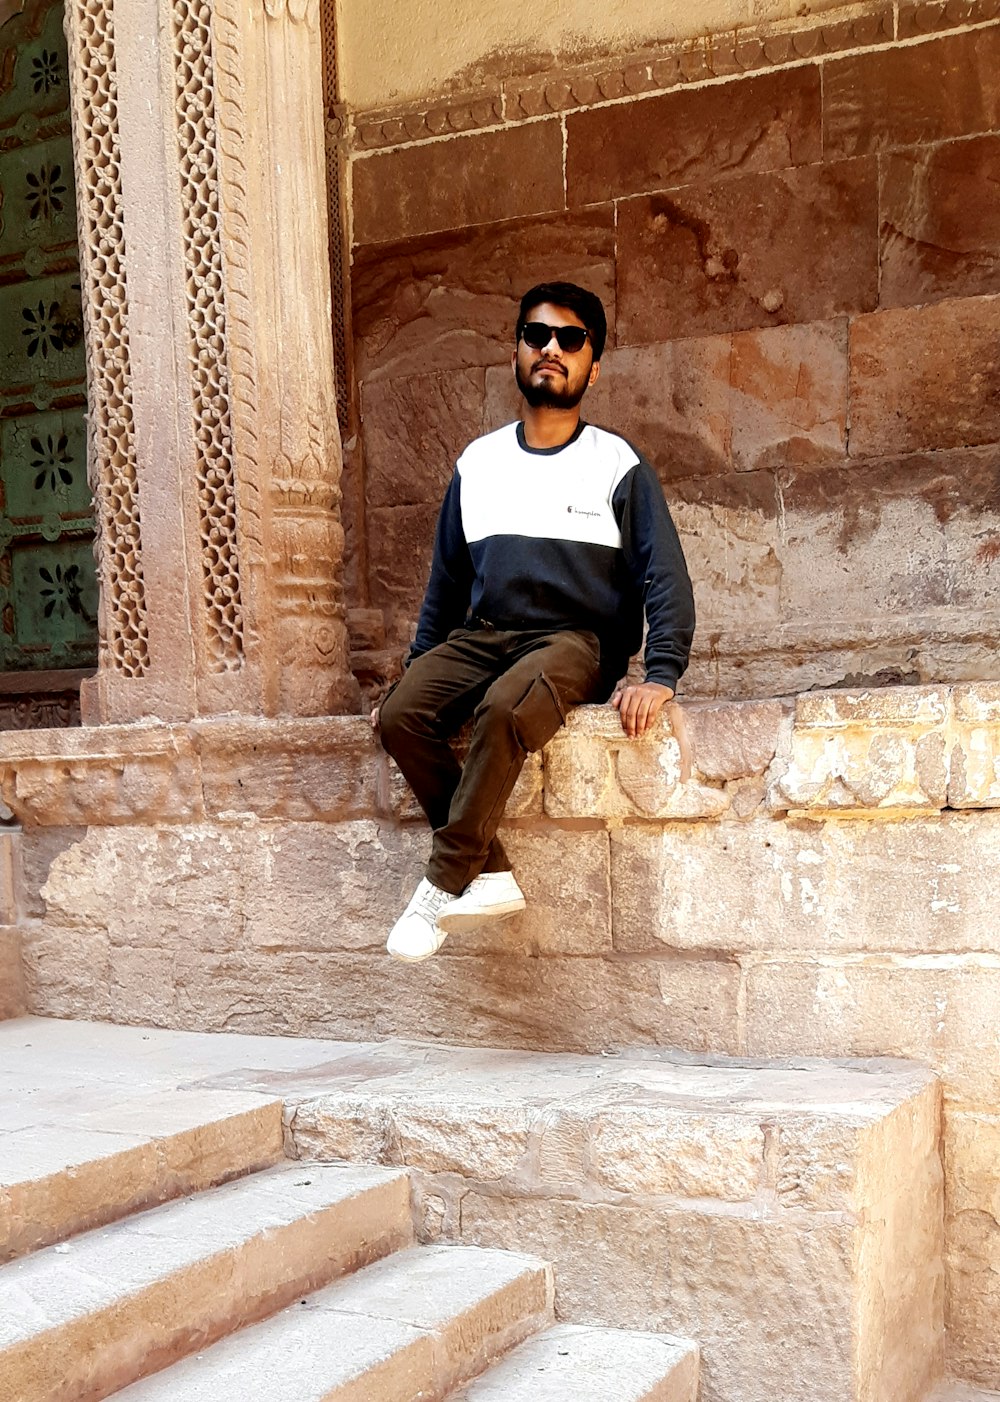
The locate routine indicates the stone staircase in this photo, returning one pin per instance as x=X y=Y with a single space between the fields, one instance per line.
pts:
x=174 y=1253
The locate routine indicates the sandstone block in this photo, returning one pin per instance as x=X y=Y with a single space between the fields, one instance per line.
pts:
x=911 y=95
x=971 y=1143
x=415 y=429
x=941 y=222
x=293 y=768
x=106 y=774
x=735 y=740
x=925 y=377
x=732 y=254
x=764 y=123
x=551 y=1003
x=565 y=875
x=400 y=545
x=839 y=560
x=937 y=1010
x=449 y=301
x=67 y=972
x=448 y=185
x=974 y=775
x=699 y=1274
x=478 y=1141
x=12 y=999
x=866 y=887
x=650 y=1149
x=593 y=770
x=789 y=389
x=868 y=751
x=34 y=853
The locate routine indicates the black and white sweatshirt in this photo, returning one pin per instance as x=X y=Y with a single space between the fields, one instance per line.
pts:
x=577 y=536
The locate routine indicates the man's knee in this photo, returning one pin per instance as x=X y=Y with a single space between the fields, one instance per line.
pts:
x=534 y=714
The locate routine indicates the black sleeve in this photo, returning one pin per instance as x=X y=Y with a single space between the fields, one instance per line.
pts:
x=656 y=563
x=449 y=589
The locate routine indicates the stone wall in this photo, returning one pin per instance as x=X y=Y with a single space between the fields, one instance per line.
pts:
x=797 y=236
x=821 y=886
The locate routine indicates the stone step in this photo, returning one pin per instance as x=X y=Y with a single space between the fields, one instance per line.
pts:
x=414 y=1325
x=68 y=1164
x=89 y=1316
x=575 y=1363
x=680 y=1198
x=962 y=1392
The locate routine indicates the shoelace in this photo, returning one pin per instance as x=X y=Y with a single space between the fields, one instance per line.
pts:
x=429 y=904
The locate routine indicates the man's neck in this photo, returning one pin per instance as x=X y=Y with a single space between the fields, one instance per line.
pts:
x=549 y=428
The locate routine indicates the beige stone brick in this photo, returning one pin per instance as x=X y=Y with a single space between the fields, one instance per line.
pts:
x=550 y=1003
x=478 y=1141
x=860 y=885
x=700 y=1274
x=565 y=875
x=940 y=1010
x=735 y=740
x=868 y=751
x=971 y=1147
x=12 y=1001
x=67 y=972
x=593 y=770
x=653 y=1149
x=974 y=776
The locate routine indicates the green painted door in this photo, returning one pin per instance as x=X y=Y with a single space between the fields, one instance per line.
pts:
x=48 y=588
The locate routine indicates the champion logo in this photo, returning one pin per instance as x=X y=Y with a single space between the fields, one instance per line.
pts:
x=579 y=511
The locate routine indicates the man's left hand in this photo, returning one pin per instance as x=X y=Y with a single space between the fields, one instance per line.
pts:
x=639 y=706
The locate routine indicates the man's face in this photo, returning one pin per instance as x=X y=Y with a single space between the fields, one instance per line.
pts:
x=552 y=378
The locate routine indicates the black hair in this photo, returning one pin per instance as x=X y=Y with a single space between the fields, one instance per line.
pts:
x=586 y=305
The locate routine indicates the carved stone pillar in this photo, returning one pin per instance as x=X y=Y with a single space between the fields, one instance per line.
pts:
x=215 y=452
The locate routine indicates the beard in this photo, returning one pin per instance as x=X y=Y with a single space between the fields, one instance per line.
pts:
x=551 y=393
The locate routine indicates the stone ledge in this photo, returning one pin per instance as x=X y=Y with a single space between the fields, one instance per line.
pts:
x=897 y=750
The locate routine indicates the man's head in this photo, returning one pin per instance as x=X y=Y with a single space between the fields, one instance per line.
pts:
x=561 y=330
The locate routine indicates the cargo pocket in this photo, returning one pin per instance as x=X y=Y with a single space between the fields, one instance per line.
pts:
x=538 y=714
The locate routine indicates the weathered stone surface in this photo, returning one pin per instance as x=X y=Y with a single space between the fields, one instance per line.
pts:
x=449 y=301
x=861 y=886
x=566 y=879
x=67 y=972
x=735 y=741
x=974 y=775
x=971 y=1144
x=839 y=552
x=415 y=429
x=651 y=1148
x=905 y=96
x=447 y=185
x=126 y=773
x=269 y=886
x=868 y=750
x=12 y=997
x=702 y=1274
x=590 y=1365
x=925 y=377
x=940 y=222
x=553 y=1003
x=940 y=1010
x=789 y=395
x=479 y=1141
x=763 y=123
x=755 y=250
x=304 y=769
x=400 y=546
x=593 y=769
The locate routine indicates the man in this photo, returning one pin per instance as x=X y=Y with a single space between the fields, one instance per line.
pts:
x=553 y=539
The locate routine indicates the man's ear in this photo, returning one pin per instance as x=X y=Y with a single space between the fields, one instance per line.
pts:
x=595 y=372
x=513 y=359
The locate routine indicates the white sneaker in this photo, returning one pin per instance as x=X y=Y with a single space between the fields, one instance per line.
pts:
x=491 y=896
x=416 y=934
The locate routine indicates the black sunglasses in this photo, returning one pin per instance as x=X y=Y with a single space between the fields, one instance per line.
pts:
x=536 y=335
